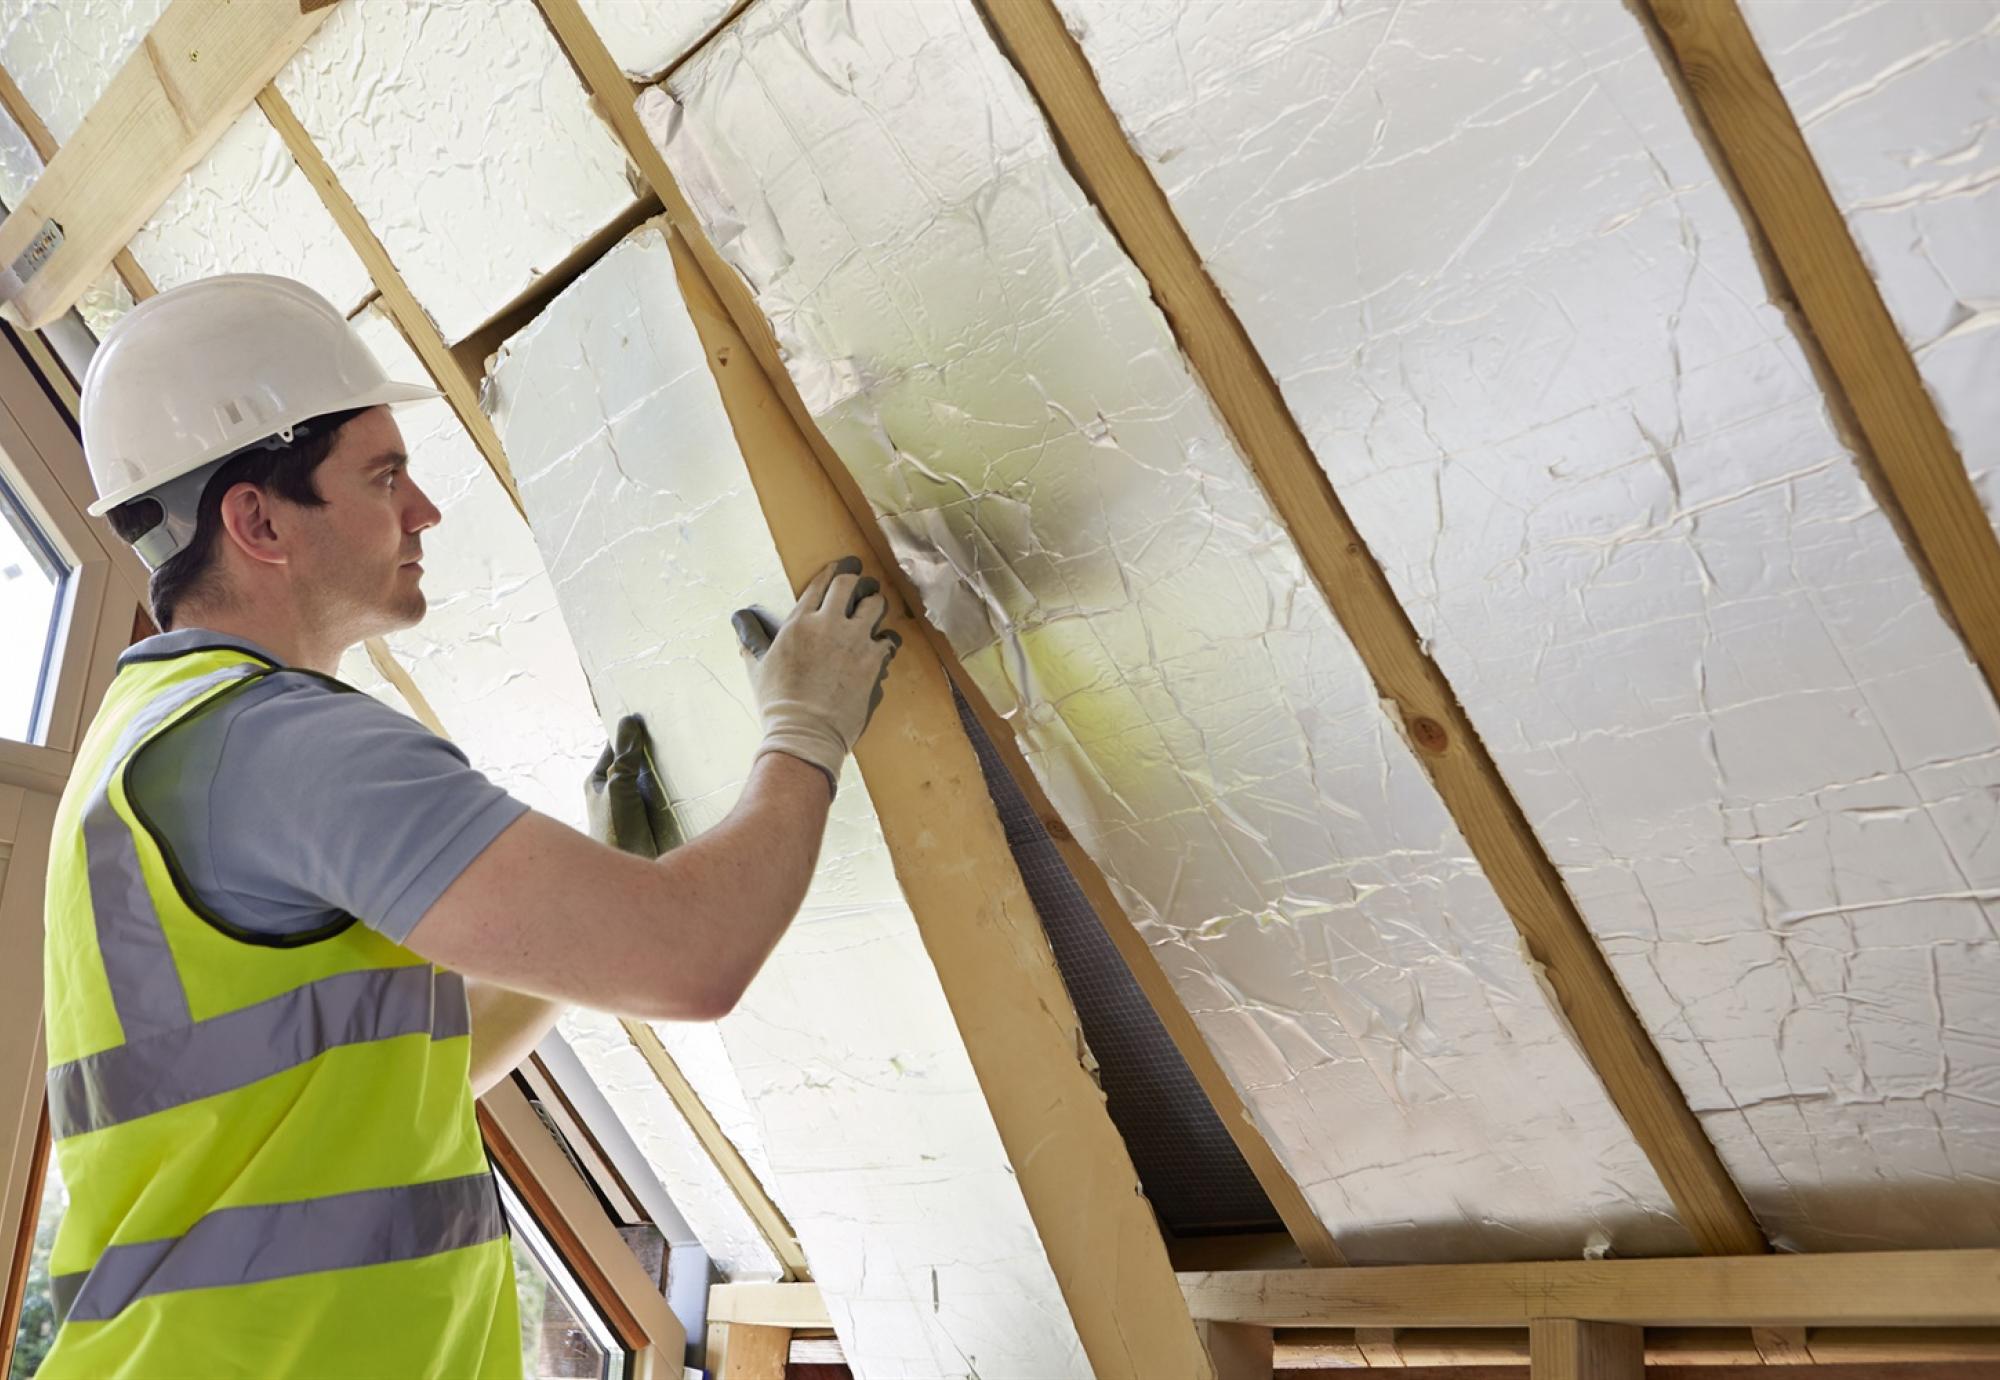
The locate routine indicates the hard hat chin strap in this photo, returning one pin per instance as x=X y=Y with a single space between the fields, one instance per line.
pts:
x=180 y=500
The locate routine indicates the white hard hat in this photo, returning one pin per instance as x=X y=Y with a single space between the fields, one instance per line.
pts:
x=201 y=372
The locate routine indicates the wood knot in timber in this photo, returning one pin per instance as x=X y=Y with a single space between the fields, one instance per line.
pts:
x=1428 y=734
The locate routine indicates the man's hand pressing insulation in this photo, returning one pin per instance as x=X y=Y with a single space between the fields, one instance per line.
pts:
x=818 y=675
x=623 y=799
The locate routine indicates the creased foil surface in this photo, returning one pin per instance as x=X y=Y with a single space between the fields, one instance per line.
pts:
x=874 y=1135
x=1900 y=105
x=990 y=367
x=465 y=138
x=492 y=657
x=645 y=37
x=1521 y=324
x=63 y=53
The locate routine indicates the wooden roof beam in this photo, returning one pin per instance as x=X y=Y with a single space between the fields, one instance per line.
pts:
x=195 y=72
x=1858 y=1289
x=1359 y=594
x=1752 y=131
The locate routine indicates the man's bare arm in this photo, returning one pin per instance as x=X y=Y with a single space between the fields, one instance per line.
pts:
x=546 y=911
x=506 y=1027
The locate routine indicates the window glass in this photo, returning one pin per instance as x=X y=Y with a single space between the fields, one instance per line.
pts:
x=563 y=1336
x=37 y=1332
x=31 y=581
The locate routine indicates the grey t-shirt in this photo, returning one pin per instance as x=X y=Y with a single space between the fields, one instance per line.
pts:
x=295 y=802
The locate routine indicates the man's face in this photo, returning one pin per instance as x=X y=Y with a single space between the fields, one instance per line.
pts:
x=356 y=564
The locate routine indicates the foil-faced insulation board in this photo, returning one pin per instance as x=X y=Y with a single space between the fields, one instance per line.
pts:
x=1900 y=105
x=697 y=1188
x=463 y=135
x=993 y=371
x=1522 y=325
x=645 y=37
x=492 y=657
x=63 y=53
x=247 y=208
x=878 y=1142
x=1192 y=1173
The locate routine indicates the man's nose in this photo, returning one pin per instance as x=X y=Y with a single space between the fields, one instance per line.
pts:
x=422 y=512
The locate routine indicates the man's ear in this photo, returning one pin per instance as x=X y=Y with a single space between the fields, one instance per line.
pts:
x=250 y=522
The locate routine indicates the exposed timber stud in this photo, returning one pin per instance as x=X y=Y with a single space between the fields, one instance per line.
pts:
x=397 y=299
x=1753 y=131
x=1359 y=594
x=1565 y=1349
x=194 y=73
x=613 y=93
x=981 y=932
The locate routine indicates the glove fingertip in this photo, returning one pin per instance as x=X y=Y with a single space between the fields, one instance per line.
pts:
x=753 y=634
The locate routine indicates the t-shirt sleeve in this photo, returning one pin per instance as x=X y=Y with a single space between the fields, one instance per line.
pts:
x=323 y=798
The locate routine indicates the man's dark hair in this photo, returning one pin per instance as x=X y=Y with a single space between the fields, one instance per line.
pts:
x=286 y=471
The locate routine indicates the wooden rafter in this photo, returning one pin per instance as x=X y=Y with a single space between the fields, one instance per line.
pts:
x=459 y=388
x=1764 y=152
x=764 y=1214
x=196 y=70
x=614 y=97
x=15 y=103
x=982 y=934
x=1566 y=1349
x=1879 y=1289
x=1355 y=588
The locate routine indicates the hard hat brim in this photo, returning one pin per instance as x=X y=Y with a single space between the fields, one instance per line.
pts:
x=386 y=394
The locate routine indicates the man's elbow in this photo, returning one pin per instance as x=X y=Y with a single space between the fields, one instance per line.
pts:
x=708 y=999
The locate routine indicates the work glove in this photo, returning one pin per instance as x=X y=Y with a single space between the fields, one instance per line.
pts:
x=623 y=799
x=818 y=675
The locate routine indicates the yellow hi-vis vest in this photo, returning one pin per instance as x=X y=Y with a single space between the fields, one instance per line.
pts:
x=269 y=1143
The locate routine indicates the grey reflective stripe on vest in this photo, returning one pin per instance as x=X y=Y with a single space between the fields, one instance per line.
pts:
x=145 y=986
x=248 y=1245
x=241 y=1047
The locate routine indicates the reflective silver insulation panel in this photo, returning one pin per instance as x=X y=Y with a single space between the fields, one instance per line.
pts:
x=465 y=138
x=1900 y=105
x=989 y=365
x=876 y=1139
x=1492 y=269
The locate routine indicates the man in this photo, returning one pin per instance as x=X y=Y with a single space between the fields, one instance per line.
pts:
x=264 y=887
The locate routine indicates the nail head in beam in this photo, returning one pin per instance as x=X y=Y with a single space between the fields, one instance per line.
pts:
x=979 y=929
x=1565 y=1349
x=1613 y=1040
x=1753 y=129
x=1858 y=1289
x=196 y=70
x=411 y=319
x=613 y=93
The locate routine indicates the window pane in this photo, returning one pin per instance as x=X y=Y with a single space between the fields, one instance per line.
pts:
x=37 y=1332
x=31 y=578
x=562 y=1336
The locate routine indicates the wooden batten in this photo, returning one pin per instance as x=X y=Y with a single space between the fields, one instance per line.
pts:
x=1752 y=130
x=1862 y=1289
x=1355 y=588
x=195 y=72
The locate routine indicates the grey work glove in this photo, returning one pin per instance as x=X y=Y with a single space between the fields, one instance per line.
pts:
x=818 y=676
x=623 y=799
